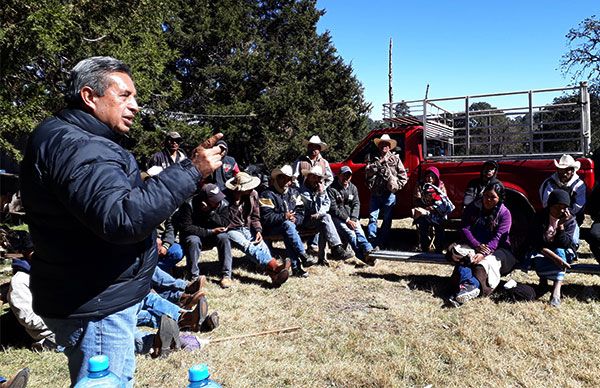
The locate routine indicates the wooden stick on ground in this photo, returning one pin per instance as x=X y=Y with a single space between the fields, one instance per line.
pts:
x=266 y=332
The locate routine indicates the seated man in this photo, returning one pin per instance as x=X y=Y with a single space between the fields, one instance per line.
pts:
x=316 y=214
x=203 y=225
x=282 y=212
x=169 y=252
x=245 y=229
x=228 y=169
x=21 y=304
x=192 y=318
x=566 y=178
x=344 y=210
x=174 y=290
x=170 y=154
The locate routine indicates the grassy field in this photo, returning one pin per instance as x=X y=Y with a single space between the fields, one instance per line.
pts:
x=382 y=326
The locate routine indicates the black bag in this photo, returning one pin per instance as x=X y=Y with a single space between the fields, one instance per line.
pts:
x=519 y=293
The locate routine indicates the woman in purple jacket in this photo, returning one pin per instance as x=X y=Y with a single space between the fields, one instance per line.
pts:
x=485 y=253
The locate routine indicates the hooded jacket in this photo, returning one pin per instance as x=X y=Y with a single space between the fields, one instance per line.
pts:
x=92 y=218
x=274 y=204
x=476 y=186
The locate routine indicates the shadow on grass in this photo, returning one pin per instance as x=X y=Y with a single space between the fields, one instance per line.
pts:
x=438 y=286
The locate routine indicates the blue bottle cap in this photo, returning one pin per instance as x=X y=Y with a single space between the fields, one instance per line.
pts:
x=98 y=363
x=198 y=373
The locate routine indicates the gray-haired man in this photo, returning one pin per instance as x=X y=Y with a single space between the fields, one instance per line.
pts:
x=92 y=218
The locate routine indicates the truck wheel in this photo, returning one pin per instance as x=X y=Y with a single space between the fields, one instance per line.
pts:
x=522 y=214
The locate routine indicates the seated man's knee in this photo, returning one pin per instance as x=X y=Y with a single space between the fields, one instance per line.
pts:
x=193 y=240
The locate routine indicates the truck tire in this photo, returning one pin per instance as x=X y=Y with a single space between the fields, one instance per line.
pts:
x=522 y=214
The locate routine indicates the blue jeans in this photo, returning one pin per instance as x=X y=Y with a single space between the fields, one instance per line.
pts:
x=466 y=276
x=113 y=336
x=384 y=202
x=547 y=269
x=167 y=286
x=291 y=240
x=194 y=246
x=170 y=260
x=355 y=237
x=242 y=238
x=153 y=307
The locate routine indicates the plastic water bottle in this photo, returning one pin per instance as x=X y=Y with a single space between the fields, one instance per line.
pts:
x=199 y=377
x=99 y=376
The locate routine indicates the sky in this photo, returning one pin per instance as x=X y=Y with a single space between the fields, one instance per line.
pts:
x=457 y=47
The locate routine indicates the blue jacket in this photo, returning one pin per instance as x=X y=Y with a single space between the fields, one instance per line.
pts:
x=92 y=218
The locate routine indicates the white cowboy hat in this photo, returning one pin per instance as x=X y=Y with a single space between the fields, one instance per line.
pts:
x=316 y=140
x=285 y=170
x=567 y=161
x=242 y=182
x=152 y=171
x=314 y=170
x=385 y=137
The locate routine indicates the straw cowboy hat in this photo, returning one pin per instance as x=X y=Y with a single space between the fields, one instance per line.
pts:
x=567 y=161
x=386 y=138
x=242 y=182
x=316 y=140
x=314 y=170
x=285 y=170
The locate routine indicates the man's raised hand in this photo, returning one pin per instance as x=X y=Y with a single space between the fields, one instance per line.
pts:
x=206 y=157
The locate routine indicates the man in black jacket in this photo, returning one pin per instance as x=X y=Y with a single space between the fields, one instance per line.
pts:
x=92 y=218
x=203 y=225
x=345 y=210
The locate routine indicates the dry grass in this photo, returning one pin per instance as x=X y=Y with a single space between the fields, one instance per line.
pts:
x=382 y=327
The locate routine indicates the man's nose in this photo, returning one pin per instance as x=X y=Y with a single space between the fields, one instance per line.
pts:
x=133 y=105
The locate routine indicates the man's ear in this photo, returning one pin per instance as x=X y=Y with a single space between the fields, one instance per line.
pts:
x=88 y=96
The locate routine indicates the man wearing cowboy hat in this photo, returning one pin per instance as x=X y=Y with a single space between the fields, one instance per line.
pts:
x=170 y=154
x=385 y=176
x=566 y=178
x=245 y=230
x=344 y=210
x=314 y=147
x=316 y=214
x=282 y=213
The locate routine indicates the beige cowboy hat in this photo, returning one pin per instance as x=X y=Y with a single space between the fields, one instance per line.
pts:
x=567 y=161
x=314 y=170
x=284 y=170
x=386 y=138
x=242 y=182
x=316 y=140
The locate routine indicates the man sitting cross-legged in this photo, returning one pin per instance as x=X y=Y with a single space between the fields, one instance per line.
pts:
x=344 y=210
x=203 y=224
x=245 y=229
x=316 y=214
x=281 y=213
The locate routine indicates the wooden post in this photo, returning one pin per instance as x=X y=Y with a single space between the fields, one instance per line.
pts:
x=390 y=89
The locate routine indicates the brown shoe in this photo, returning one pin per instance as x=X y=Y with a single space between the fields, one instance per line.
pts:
x=226 y=282
x=196 y=285
x=188 y=301
x=191 y=320
x=278 y=273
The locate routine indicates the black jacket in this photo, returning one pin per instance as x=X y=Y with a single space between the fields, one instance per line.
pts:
x=92 y=219
x=274 y=205
x=345 y=203
x=192 y=221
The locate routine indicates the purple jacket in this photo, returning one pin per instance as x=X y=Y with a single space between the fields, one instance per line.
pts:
x=490 y=230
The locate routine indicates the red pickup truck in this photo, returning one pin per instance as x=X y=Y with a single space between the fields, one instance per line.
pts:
x=524 y=139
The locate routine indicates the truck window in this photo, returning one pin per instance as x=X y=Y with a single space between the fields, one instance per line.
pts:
x=370 y=150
